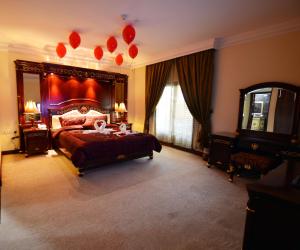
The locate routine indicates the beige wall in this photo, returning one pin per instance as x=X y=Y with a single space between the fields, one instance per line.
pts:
x=139 y=98
x=271 y=59
x=236 y=67
x=8 y=98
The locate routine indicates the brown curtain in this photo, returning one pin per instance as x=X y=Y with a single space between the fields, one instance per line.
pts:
x=156 y=78
x=195 y=74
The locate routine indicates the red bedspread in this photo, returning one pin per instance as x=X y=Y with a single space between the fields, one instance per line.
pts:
x=85 y=147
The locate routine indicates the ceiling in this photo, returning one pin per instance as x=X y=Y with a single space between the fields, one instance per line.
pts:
x=163 y=27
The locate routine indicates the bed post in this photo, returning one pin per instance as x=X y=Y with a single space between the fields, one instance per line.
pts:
x=151 y=155
x=80 y=172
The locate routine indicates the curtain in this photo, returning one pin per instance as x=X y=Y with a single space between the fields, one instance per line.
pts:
x=195 y=73
x=156 y=77
x=174 y=122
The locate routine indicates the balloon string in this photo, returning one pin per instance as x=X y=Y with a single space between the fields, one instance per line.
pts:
x=131 y=63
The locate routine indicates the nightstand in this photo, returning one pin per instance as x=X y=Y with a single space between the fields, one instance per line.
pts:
x=36 y=141
x=221 y=146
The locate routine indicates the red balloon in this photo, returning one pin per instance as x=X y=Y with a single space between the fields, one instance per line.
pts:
x=111 y=44
x=61 y=50
x=98 y=52
x=128 y=33
x=133 y=51
x=74 y=39
x=119 y=59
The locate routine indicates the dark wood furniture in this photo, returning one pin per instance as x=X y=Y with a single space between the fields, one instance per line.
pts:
x=61 y=83
x=103 y=159
x=220 y=149
x=278 y=131
x=36 y=141
x=273 y=210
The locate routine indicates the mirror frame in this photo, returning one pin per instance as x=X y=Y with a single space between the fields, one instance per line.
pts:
x=287 y=86
x=21 y=68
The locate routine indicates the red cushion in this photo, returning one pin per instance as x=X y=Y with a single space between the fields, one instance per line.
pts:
x=72 y=120
x=90 y=120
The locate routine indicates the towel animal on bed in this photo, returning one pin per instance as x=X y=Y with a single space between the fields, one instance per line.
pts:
x=101 y=129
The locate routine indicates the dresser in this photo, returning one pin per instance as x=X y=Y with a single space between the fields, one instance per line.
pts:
x=35 y=141
x=273 y=209
x=220 y=149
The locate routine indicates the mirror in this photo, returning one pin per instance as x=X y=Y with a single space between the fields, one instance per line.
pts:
x=29 y=76
x=268 y=108
x=31 y=88
x=32 y=97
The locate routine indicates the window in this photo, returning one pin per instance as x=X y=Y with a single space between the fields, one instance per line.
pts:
x=173 y=121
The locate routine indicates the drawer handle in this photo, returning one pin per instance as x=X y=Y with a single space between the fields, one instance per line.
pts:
x=250 y=210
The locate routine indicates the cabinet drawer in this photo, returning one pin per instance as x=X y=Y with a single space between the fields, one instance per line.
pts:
x=36 y=141
x=220 y=150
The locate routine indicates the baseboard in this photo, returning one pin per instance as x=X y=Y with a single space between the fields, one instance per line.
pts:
x=8 y=152
x=182 y=148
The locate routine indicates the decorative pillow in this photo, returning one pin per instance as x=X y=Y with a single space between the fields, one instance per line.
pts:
x=90 y=120
x=69 y=121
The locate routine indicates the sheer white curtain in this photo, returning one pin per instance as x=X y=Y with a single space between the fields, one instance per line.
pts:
x=173 y=121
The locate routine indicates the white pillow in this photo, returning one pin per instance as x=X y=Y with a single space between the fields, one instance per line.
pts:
x=96 y=113
x=55 y=118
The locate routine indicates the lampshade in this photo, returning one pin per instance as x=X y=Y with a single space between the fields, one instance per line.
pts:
x=116 y=107
x=122 y=107
x=30 y=107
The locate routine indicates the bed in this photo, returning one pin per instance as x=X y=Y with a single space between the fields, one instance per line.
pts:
x=73 y=133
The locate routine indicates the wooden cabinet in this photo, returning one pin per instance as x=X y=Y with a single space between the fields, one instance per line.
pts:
x=35 y=140
x=221 y=146
x=273 y=210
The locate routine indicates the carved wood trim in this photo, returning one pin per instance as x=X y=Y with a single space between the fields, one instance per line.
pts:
x=81 y=104
x=29 y=67
x=70 y=101
x=64 y=72
x=67 y=71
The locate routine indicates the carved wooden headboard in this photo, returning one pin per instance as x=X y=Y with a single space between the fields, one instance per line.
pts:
x=61 y=85
x=82 y=105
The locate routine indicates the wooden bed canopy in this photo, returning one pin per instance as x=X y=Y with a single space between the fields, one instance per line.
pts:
x=61 y=83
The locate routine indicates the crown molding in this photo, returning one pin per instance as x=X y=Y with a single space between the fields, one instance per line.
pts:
x=193 y=48
x=265 y=32
x=219 y=43
x=3 y=47
x=82 y=56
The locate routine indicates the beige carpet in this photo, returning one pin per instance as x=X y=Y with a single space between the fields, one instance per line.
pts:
x=171 y=202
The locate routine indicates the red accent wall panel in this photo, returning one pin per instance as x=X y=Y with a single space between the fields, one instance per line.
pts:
x=61 y=89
